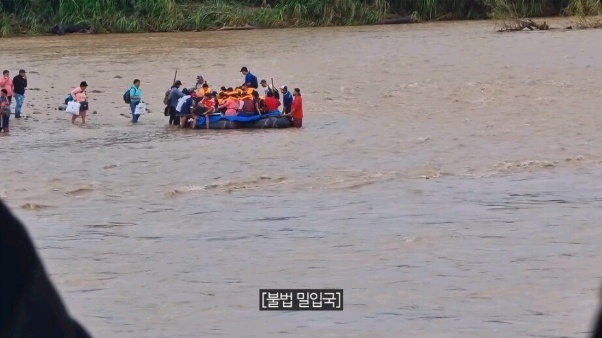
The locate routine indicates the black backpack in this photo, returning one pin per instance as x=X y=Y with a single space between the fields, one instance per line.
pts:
x=254 y=83
x=126 y=97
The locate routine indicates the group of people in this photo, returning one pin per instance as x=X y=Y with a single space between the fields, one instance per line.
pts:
x=133 y=97
x=185 y=106
x=9 y=88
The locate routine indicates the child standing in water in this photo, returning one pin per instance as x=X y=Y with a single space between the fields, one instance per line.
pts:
x=79 y=95
x=4 y=110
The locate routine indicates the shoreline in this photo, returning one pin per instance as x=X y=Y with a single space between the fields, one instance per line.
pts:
x=162 y=16
x=573 y=22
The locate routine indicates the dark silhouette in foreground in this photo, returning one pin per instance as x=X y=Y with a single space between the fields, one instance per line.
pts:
x=597 y=333
x=29 y=304
x=63 y=29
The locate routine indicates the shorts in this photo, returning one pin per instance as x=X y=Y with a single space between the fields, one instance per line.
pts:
x=182 y=114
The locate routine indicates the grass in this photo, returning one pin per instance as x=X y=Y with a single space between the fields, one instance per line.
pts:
x=37 y=16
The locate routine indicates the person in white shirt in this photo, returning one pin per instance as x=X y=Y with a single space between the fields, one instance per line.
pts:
x=269 y=88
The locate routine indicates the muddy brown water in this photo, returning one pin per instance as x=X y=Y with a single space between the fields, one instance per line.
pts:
x=447 y=178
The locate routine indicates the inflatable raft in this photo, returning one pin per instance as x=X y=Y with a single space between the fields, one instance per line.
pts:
x=270 y=120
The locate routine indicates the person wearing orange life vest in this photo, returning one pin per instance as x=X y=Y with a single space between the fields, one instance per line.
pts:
x=230 y=105
x=245 y=91
x=204 y=90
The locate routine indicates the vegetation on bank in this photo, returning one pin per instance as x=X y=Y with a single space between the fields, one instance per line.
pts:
x=38 y=16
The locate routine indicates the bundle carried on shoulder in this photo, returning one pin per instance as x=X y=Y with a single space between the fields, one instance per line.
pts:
x=166 y=98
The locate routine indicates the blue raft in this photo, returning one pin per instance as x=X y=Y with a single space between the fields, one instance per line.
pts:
x=270 y=120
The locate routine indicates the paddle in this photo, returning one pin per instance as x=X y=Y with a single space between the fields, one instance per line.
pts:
x=275 y=92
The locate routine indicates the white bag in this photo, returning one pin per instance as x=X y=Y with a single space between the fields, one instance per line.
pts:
x=73 y=108
x=140 y=109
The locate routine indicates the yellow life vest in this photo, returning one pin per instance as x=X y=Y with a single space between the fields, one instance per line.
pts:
x=201 y=91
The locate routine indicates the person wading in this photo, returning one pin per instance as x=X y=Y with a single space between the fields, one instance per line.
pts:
x=174 y=96
x=7 y=83
x=297 y=109
x=287 y=99
x=135 y=99
x=79 y=95
x=4 y=110
x=19 y=85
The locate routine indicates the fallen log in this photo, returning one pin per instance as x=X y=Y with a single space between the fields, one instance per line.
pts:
x=400 y=20
x=519 y=25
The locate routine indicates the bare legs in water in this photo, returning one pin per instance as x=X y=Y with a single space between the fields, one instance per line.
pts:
x=82 y=114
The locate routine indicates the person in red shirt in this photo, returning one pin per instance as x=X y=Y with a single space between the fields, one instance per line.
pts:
x=209 y=103
x=271 y=103
x=205 y=107
x=297 y=109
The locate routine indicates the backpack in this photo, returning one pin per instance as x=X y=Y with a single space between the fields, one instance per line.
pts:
x=254 y=83
x=126 y=97
x=166 y=98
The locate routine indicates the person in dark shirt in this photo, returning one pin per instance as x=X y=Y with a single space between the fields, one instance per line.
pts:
x=250 y=79
x=30 y=306
x=287 y=99
x=19 y=85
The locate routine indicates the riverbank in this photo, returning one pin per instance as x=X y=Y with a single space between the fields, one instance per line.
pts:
x=20 y=17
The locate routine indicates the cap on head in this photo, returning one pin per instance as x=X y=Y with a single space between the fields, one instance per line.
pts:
x=178 y=83
x=244 y=69
x=22 y=71
x=199 y=77
x=263 y=81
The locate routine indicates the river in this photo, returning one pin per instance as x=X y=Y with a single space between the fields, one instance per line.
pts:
x=447 y=177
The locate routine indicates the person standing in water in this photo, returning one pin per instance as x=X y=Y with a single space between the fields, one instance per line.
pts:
x=287 y=99
x=7 y=83
x=135 y=99
x=19 y=85
x=4 y=110
x=174 y=96
x=79 y=95
x=297 y=109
